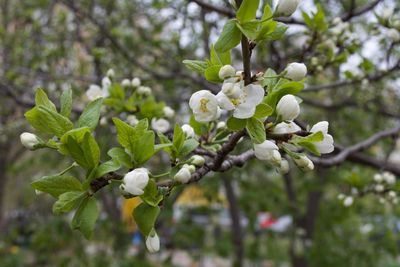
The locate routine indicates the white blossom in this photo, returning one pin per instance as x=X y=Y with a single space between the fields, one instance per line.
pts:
x=379 y=188
x=144 y=90
x=160 y=125
x=286 y=7
x=378 y=178
x=197 y=160
x=285 y=168
x=288 y=108
x=244 y=105
x=126 y=83
x=188 y=131
x=136 y=82
x=103 y=121
x=153 y=243
x=296 y=71
x=110 y=73
x=226 y=72
x=29 y=140
x=168 y=112
x=135 y=181
x=326 y=145
x=268 y=151
x=389 y=178
x=393 y=35
x=191 y=167
x=183 y=175
x=348 y=201
x=286 y=128
x=132 y=120
x=204 y=106
x=106 y=84
x=95 y=92
x=221 y=125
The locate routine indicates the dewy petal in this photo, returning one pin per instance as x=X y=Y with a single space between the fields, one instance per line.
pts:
x=320 y=126
x=285 y=128
x=224 y=102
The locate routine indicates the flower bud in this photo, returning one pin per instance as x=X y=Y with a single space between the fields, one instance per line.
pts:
x=135 y=181
x=296 y=71
x=103 y=121
x=221 y=125
x=304 y=163
x=160 y=125
x=226 y=72
x=379 y=188
x=191 y=168
x=286 y=7
x=153 y=243
x=29 y=140
x=136 y=82
x=188 y=131
x=232 y=90
x=348 y=201
x=197 y=160
x=132 y=120
x=110 y=73
x=288 y=108
x=378 y=178
x=268 y=151
x=144 y=90
x=126 y=83
x=183 y=175
x=393 y=35
x=168 y=112
x=389 y=178
x=284 y=166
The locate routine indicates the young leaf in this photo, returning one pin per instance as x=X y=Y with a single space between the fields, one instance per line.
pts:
x=250 y=29
x=107 y=167
x=229 y=38
x=68 y=201
x=118 y=154
x=85 y=217
x=145 y=217
x=179 y=137
x=56 y=185
x=41 y=99
x=151 y=195
x=188 y=146
x=91 y=150
x=220 y=58
x=235 y=124
x=262 y=111
x=247 y=10
x=91 y=114
x=66 y=103
x=256 y=130
x=196 y=65
x=144 y=148
x=212 y=74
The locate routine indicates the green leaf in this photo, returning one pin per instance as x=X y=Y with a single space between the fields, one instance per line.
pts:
x=66 y=102
x=41 y=99
x=262 y=111
x=196 y=65
x=212 y=74
x=307 y=142
x=247 y=10
x=118 y=154
x=86 y=217
x=268 y=81
x=188 y=146
x=107 y=167
x=198 y=127
x=127 y=135
x=283 y=87
x=267 y=12
x=249 y=29
x=145 y=217
x=267 y=30
x=91 y=114
x=56 y=185
x=256 y=130
x=68 y=201
x=235 y=124
x=179 y=137
x=144 y=148
x=151 y=195
x=278 y=32
x=86 y=153
x=47 y=121
x=220 y=58
x=229 y=38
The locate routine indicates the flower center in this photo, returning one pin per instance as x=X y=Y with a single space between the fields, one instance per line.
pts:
x=203 y=104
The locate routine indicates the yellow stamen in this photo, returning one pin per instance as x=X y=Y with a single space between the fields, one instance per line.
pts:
x=203 y=105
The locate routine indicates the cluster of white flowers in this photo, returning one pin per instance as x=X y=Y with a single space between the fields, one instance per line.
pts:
x=385 y=178
x=383 y=182
x=346 y=200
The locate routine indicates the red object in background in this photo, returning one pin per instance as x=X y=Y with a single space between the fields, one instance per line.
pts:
x=265 y=220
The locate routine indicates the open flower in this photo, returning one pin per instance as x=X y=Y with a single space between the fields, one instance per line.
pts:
x=205 y=106
x=153 y=243
x=288 y=108
x=268 y=151
x=326 y=145
x=95 y=92
x=135 y=181
x=243 y=102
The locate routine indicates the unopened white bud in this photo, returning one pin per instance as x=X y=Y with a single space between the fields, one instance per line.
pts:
x=188 y=131
x=136 y=82
x=191 y=168
x=348 y=201
x=393 y=35
x=226 y=72
x=168 y=112
x=183 y=175
x=341 y=196
x=286 y=7
x=197 y=160
x=144 y=90
x=231 y=90
x=110 y=73
x=378 y=178
x=379 y=188
x=103 y=121
x=268 y=151
x=221 y=125
x=304 y=163
x=132 y=120
x=29 y=140
x=296 y=71
x=153 y=243
x=160 y=125
x=284 y=166
x=392 y=194
x=135 y=181
x=288 y=108
x=126 y=83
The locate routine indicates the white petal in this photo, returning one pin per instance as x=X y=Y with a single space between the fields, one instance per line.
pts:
x=224 y=102
x=320 y=126
x=244 y=112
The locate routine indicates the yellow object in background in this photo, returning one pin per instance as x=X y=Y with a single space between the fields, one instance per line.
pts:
x=128 y=206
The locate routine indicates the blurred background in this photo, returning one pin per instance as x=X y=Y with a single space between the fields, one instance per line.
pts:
x=250 y=216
